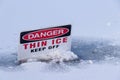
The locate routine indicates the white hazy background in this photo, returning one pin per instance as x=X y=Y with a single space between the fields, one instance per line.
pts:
x=89 y=18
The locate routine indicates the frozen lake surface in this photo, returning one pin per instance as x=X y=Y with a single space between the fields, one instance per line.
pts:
x=99 y=60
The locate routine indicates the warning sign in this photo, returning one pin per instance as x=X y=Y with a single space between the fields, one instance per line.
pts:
x=35 y=43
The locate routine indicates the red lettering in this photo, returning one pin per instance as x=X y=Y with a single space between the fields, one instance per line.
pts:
x=35 y=44
x=25 y=46
x=44 y=43
x=53 y=41
x=32 y=45
x=38 y=44
x=58 y=41
x=65 y=40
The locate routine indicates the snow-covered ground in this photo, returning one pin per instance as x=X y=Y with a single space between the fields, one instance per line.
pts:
x=95 y=33
x=43 y=71
x=98 y=60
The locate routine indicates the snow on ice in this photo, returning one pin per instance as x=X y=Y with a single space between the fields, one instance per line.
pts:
x=95 y=23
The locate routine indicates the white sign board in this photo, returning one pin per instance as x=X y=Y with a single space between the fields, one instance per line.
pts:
x=37 y=43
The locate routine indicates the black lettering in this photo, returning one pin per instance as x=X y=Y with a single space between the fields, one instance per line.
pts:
x=50 y=47
x=57 y=46
x=43 y=48
x=32 y=50
x=36 y=50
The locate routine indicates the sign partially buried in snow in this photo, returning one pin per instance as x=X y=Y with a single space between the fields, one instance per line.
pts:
x=37 y=44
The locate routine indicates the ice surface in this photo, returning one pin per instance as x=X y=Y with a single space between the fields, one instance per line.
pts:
x=92 y=66
x=96 y=20
x=45 y=71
